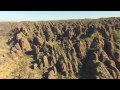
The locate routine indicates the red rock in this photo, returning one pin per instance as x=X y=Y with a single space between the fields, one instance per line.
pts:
x=25 y=45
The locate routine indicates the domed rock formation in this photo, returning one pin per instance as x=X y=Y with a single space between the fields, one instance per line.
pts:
x=88 y=48
x=25 y=45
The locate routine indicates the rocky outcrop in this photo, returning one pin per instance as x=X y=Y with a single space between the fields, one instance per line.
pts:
x=55 y=70
x=17 y=46
x=36 y=51
x=70 y=69
x=63 y=68
x=45 y=62
x=97 y=70
x=109 y=47
x=19 y=36
x=35 y=65
x=38 y=40
x=24 y=31
x=117 y=55
x=47 y=32
x=75 y=67
x=25 y=45
x=71 y=49
x=16 y=49
x=52 y=60
x=13 y=49
x=51 y=75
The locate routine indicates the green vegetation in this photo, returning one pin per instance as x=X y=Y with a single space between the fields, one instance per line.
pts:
x=59 y=75
x=116 y=35
x=79 y=64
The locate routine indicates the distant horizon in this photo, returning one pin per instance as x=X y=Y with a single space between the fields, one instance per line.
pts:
x=58 y=19
x=19 y=16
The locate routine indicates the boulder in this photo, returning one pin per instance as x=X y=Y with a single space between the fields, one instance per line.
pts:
x=63 y=67
x=54 y=59
x=15 y=50
x=25 y=45
x=35 y=65
x=109 y=47
x=51 y=75
x=113 y=74
x=70 y=69
x=41 y=65
x=117 y=55
x=17 y=46
x=36 y=51
x=55 y=70
x=45 y=62
x=75 y=68
x=19 y=36
x=38 y=40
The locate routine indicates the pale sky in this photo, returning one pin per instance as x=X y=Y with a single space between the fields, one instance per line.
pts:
x=54 y=15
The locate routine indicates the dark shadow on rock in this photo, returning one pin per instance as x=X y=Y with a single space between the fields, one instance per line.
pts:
x=13 y=33
x=45 y=75
x=29 y=52
x=32 y=67
x=11 y=40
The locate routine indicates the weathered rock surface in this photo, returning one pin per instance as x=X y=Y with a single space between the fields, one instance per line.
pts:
x=70 y=49
x=25 y=45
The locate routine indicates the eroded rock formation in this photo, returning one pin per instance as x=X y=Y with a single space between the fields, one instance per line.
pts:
x=71 y=49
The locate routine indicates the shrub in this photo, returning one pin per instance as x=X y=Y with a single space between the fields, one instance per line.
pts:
x=116 y=35
x=79 y=64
